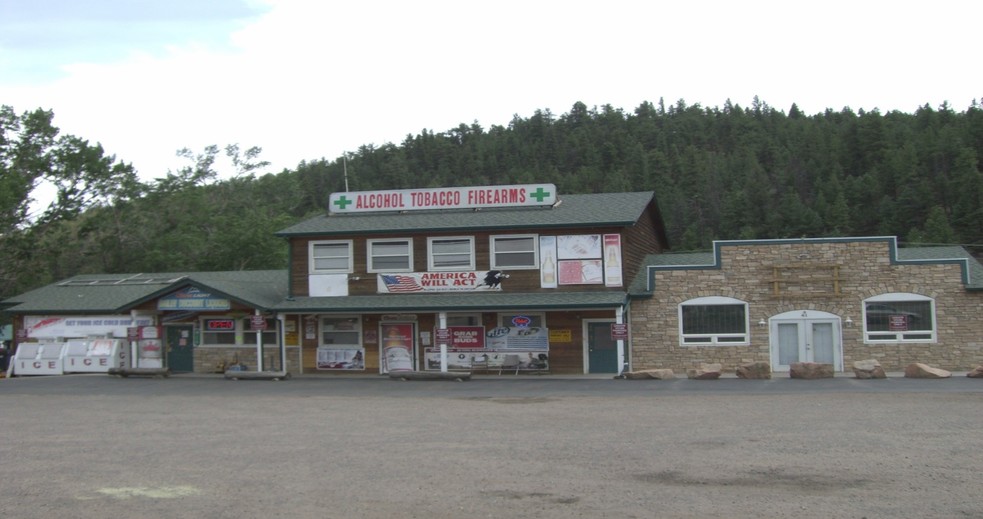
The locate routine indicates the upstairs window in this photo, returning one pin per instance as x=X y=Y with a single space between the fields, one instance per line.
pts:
x=713 y=321
x=392 y=255
x=455 y=253
x=514 y=252
x=899 y=317
x=331 y=256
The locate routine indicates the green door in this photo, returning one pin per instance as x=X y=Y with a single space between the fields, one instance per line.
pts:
x=602 y=351
x=180 y=348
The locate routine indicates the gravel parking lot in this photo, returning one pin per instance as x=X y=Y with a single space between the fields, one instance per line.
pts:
x=97 y=446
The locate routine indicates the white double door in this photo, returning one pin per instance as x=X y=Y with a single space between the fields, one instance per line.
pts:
x=806 y=336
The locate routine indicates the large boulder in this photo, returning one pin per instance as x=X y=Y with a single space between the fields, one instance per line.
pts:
x=976 y=372
x=754 y=370
x=810 y=370
x=705 y=372
x=919 y=370
x=867 y=369
x=649 y=374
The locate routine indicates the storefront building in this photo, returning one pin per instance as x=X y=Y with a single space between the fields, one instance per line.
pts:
x=466 y=278
x=833 y=301
x=518 y=278
x=494 y=278
x=185 y=322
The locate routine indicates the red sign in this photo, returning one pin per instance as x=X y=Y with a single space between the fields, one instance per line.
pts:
x=443 y=335
x=898 y=323
x=467 y=336
x=619 y=331
x=220 y=324
x=257 y=322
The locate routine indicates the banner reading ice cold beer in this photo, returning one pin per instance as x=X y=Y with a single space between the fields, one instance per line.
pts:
x=50 y=327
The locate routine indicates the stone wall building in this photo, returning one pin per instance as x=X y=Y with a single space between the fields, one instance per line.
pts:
x=833 y=301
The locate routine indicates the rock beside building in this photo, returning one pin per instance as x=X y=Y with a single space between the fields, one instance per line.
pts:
x=919 y=370
x=754 y=371
x=976 y=372
x=810 y=370
x=705 y=372
x=649 y=374
x=868 y=369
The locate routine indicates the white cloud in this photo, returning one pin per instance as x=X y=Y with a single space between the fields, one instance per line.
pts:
x=314 y=79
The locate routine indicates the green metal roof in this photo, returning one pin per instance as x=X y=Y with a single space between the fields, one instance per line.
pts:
x=941 y=254
x=94 y=293
x=383 y=303
x=592 y=210
x=267 y=290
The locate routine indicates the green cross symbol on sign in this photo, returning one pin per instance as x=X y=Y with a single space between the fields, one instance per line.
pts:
x=342 y=202
x=539 y=194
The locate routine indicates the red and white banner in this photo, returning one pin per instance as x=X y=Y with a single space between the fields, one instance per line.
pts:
x=459 y=281
x=51 y=327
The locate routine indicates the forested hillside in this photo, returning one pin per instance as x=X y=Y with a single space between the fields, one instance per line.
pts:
x=719 y=173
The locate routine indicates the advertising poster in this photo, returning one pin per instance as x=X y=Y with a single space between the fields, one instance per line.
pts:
x=467 y=337
x=45 y=327
x=462 y=281
x=612 y=260
x=579 y=246
x=581 y=272
x=464 y=358
x=506 y=337
x=397 y=346
x=341 y=358
x=547 y=257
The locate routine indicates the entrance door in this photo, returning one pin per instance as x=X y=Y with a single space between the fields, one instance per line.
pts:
x=602 y=351
x=180 y=348
x=805 y=340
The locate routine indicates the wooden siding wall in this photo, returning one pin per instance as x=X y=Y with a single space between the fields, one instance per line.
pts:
x=637 y=242
x=565 y=357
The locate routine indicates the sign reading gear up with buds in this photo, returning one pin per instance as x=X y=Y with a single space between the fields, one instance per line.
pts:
x=483 y=197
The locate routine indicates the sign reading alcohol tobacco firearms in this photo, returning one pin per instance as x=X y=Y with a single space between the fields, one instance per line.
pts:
x=525 y=195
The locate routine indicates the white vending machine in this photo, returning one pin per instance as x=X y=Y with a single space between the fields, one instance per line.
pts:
x=150 y=347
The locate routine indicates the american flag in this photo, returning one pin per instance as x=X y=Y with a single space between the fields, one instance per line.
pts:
x=397 y=283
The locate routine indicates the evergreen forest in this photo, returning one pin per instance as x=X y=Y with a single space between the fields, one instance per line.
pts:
x=727 y=172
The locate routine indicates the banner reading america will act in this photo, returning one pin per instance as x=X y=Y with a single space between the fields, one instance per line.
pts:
x=459 y=281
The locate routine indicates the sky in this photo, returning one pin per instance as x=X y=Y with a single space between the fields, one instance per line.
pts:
x=306 y=80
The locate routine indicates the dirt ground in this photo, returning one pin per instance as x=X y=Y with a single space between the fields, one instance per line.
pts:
x=142 y=448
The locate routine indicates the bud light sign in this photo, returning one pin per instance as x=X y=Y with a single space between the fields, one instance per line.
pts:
x=521 y=321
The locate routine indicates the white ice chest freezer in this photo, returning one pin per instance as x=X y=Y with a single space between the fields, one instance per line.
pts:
x=38 y=358
x=93 y=355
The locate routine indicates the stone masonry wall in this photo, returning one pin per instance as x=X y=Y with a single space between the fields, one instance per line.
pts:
x=807 y=270
x=207 y=359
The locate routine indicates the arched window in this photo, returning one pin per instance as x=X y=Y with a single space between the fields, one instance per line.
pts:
x=899 y=317
x=713 y=321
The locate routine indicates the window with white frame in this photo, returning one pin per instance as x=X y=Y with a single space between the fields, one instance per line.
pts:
x=270 y=335
x=390 y=255
x=713 y=321
x=452 y=253
x=331 y=256
x=341 y=332
x=218 y=331
x=899 y=317
x=517 y=251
